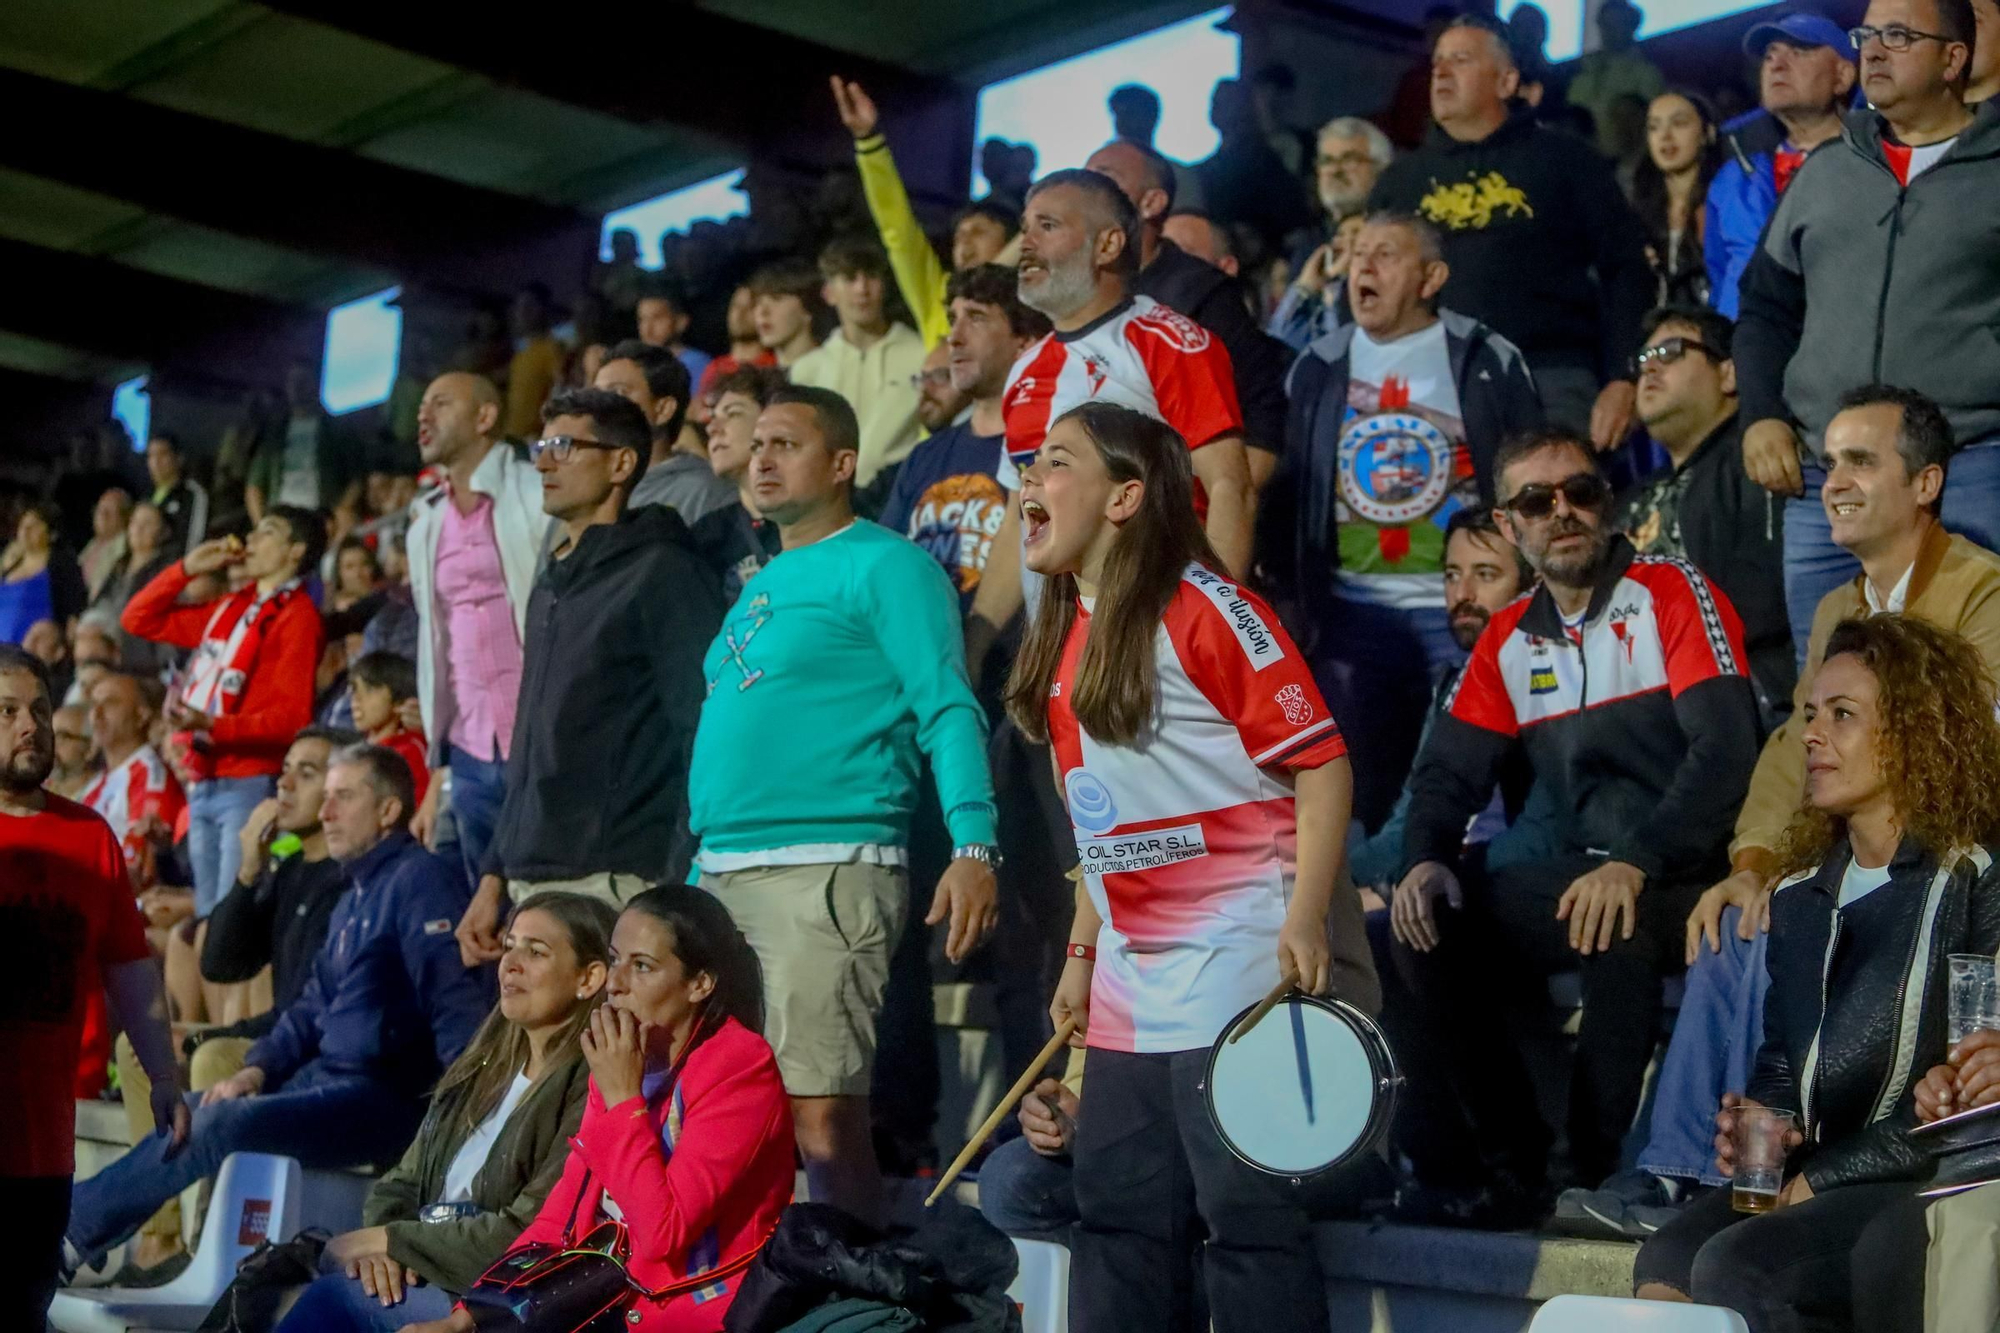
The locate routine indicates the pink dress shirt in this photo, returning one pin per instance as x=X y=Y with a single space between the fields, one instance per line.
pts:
x=482 y=649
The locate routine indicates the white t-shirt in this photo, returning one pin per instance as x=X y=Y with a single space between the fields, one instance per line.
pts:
x=472 y=1154
x=298 y=473
x=1404 y=469
x=1858 y=881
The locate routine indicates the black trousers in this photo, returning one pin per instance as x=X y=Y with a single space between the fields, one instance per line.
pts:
x=1849 y=1259
x=1503 y=944
x=31 y=1258
x=1150 y=1172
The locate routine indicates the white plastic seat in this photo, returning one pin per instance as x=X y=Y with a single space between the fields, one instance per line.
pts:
x=1605 y=1314
x=256 y=1197
x=1041 y=1288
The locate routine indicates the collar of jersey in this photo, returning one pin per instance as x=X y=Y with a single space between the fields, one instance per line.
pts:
x=1113 y=313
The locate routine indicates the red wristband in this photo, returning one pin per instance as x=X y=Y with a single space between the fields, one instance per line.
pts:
x=1087 y=952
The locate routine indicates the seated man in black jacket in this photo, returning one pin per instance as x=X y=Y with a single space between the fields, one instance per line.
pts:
x=274 y=916
x=1620 y=682
x=611 y=680
x=1703 y=506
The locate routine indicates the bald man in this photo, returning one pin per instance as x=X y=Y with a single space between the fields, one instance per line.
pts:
x=473 y=548
x=1198 y=234
x=1205 y=294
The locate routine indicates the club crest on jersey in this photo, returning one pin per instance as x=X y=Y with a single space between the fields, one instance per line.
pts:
x=1090 y=805
x=1095 y=372
x=1395 y=467
x=1298 y=709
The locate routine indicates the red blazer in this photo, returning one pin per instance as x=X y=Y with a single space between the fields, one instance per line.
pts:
x=277 y=701
x=699 y=1175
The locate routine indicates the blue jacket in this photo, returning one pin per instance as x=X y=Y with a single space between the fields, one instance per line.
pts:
x=1740 y=201
x=389 y=998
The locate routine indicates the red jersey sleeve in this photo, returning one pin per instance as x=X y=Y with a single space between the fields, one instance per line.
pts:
x=1238 y=655
x=1479 y=695
x=1701 y=635
x=1191 y=374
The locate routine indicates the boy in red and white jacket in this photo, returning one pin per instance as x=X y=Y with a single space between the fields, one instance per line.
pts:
x=248 y=688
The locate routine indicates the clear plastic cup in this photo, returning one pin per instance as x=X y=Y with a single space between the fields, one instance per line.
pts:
x=1975 y=995
x=1760 y=1157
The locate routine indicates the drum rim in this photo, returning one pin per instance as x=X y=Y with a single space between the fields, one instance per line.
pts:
x=1388 y=1080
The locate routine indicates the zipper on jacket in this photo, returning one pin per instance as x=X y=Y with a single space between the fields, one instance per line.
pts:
x=1888 y=272
x=1806 y=1125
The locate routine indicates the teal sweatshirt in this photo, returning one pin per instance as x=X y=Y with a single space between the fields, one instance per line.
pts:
x=840 y=664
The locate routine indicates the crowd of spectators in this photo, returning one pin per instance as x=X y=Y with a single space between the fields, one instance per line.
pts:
x=1620 y=470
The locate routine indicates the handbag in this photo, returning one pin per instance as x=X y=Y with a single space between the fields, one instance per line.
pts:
x=579 y=1285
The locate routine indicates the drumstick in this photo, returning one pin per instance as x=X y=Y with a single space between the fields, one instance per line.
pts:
x=1014 y=1094
x=1265 y=1006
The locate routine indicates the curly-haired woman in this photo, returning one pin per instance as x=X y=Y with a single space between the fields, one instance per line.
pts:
x=1889 y=867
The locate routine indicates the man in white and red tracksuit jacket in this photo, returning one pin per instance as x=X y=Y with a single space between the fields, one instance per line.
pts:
x=1621 y=680
x=248 y=689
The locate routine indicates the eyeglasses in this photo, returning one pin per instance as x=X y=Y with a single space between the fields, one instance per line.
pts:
x=73 y=738
x=563 y=446
x=937 y=377
x=1537 y=500
x=1895 y=37
x=1342 y=160
x=1669 y=350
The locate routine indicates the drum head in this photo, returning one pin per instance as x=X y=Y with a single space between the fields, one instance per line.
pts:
x=1298 y=1094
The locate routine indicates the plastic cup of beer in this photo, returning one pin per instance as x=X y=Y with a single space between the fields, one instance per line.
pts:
x=1760 y=1157
x=1975 y=995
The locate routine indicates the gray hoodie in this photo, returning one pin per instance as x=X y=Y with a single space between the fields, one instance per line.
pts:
x=1860 y=280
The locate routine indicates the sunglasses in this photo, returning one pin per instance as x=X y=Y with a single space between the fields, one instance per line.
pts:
x=1537 y=500
x=1669 y=350
x=563 y=446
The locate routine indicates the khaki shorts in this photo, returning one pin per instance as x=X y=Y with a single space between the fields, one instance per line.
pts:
x=823 y=935
x=605 y=886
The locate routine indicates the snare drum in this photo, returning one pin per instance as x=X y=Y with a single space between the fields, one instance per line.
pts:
x=1308 y=1089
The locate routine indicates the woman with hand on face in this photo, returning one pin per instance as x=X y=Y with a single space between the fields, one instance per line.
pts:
x=39 y=579
x=687 y=1133
x=493 y=1144
x=1889 y=867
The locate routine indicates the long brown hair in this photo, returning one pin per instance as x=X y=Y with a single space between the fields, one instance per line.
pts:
x=485 y=1069
x=1939 y=742
x=1115 y=685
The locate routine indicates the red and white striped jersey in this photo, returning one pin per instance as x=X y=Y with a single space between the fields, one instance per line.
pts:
x=141 y=786
x=1189 y=839
x=1143 y=355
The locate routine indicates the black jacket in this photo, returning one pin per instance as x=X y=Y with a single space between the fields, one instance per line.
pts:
x=1496 y=397
x=1214 y=300
x=1541 y=243
x=611 y=687
x=1858 y=1004
x=1647 y=730
x=279 y=921
x=1733 y=530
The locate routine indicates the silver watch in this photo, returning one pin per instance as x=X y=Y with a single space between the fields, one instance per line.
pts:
x=978 y=851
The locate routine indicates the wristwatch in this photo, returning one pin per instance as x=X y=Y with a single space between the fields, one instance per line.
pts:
x=978 y=851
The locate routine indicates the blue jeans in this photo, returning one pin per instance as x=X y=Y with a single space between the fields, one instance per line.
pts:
x=1815 y=565
x=326 y=1121
x=478 y=788
x=218 y=808
x=1026 y=1194
x=1377 y=665
x=336 y=1303
x=1711 y=1052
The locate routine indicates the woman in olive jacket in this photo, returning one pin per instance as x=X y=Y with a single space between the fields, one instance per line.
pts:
x=1890 y=867
x=493 y=1144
